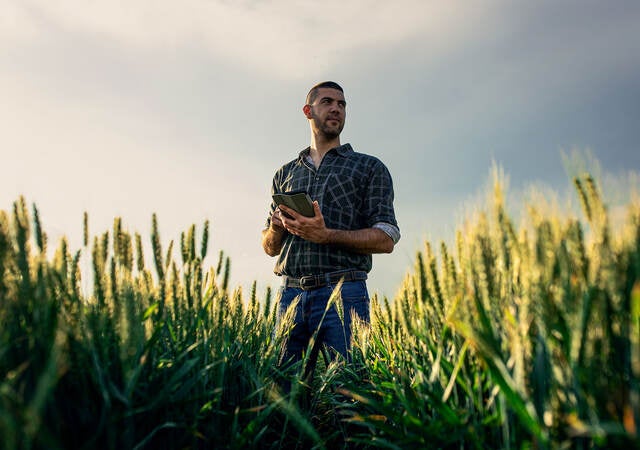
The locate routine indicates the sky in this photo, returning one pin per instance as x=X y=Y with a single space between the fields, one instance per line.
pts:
x=186 y=109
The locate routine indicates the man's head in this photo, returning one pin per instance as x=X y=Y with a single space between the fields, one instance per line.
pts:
x=313 y=93
x=326 y=109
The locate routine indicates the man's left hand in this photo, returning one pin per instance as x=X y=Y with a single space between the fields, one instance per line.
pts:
x=308 y=228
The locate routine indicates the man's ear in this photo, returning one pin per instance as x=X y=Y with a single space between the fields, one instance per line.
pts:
x=306 y=109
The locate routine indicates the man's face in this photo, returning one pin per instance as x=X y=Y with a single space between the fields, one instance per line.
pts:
x=327 y=112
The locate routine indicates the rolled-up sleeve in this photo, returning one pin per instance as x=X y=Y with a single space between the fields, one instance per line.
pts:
x=391 y=230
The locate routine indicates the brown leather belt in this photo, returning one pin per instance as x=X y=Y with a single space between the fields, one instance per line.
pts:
x=317 y=281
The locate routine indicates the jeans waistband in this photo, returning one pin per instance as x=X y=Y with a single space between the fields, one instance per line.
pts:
x=317 y=281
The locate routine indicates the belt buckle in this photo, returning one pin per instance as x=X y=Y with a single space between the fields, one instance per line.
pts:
x=308 y=282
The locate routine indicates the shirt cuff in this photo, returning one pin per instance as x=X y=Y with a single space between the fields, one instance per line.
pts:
x=392 y=231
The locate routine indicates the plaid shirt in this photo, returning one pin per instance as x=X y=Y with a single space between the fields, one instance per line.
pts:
x=354 y=191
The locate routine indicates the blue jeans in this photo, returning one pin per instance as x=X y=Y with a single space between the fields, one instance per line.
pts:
x=334 y=332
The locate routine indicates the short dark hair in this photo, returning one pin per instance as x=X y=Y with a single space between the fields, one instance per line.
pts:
x=313 y=93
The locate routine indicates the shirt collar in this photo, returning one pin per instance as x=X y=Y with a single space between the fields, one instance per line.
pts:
x=342 y=150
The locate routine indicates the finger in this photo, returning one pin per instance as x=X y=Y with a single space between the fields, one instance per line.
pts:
x=291 y=230
x=275 y=217
x=291 y=212
x=316 y=208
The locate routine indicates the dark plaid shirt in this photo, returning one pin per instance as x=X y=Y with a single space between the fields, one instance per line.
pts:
x=354 y=191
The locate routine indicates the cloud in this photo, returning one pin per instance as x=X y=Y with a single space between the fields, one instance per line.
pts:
x=16 y=23
x=289 y=38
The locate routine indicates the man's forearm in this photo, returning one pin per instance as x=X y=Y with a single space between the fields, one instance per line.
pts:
x=366 y=241
x=272 y=241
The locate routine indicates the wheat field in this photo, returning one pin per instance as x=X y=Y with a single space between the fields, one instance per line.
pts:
x=521 y=335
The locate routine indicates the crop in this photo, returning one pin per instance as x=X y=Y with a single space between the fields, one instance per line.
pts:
x=520 y=336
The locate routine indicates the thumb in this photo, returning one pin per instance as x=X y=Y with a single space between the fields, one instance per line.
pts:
x=316 y=208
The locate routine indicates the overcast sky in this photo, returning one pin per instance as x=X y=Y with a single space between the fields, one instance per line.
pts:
x=186 y=109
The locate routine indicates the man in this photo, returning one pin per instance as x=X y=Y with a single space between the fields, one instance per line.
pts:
x=354 y=217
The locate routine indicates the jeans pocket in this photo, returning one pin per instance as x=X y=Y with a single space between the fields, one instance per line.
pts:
x=355 y=299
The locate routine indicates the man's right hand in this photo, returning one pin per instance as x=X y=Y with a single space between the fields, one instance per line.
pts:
x=272 y=237
x=276 y=222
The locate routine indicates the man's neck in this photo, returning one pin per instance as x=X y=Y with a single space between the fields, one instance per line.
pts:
x=319 y=147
